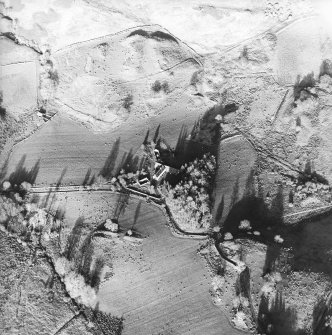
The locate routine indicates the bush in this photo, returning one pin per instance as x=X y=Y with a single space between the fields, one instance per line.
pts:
x=127 y=102
x=165 y=87
x=189 y=201
x=157 y=86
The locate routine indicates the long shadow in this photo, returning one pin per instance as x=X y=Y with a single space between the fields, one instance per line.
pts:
x=321 y=314
x=4 y=169
x=108 y=170
x=274 y=318
x=309 y=174
x=89 y=178
x=220 y=210
x=121 y=204
x=267 y=221
x=137 y=212
x=51 y=195
x=82 y=254
x=74 y=238
x=130 y=162
x=303 y=85
x=105 y=323
x=3 y=111
x=22 y=174
x=156 y=134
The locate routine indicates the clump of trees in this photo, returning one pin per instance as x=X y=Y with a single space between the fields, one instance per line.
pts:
x=189 y=200
x=157 y=86
x=127 y=102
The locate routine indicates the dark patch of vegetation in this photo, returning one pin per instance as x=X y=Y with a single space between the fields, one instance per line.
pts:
x=87 y=266
x=275 y=318
x=54 y=76
x=95 y=272
x=156 y=34
x=74 y=238
x=82 y=254
x=326 y=68
x=139 y=32
x=190 y=199
x=137 y=212
x=128 y=102
x=105 y=324
x=302 y=87
x=109 y=169
x=22 y=174
x=309 y=174
x=121 y=204
x=164 y=36
x=157 y=86
x=194 y=80
x=2 y=109
x=207 y=129
x=322 y=317
x=103 y=47
x=89 y=178
x=165 y=87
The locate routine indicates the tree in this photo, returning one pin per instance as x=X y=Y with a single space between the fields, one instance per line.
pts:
x=189 y=200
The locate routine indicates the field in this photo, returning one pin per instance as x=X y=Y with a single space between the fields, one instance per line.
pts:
x=32 y=298
x=88 y=90
x=160 y=285
x=236 y=160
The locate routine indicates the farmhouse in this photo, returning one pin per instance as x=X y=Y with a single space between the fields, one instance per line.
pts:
x=162 y=170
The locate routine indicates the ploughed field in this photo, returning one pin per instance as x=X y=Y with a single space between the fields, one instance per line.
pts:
x=160 y=284
x=64 y=145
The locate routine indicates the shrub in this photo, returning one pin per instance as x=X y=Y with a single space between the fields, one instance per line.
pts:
x=127 y=102
x=165 y=87
x=156 y=86
x=53 y=75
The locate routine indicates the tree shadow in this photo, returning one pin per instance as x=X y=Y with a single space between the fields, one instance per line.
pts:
x=86 y=265
x=275 y=319
x=52 y=192
x=89 y=178
x=96 y=271
x=130 y=162
x=180 y=144
x=74 y=238
x=108 y=170
x=4 y=170
x=156 y=134
x=22 y=174
x=3 y=112
x=322 y=313
x=137 y=212
x=309 y=174
x=146 y=138
x=121 y=204
x=220 y=210
x=268 y=221
x=303 y=85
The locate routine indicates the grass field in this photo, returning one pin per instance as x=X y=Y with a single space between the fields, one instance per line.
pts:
x=236 y=159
